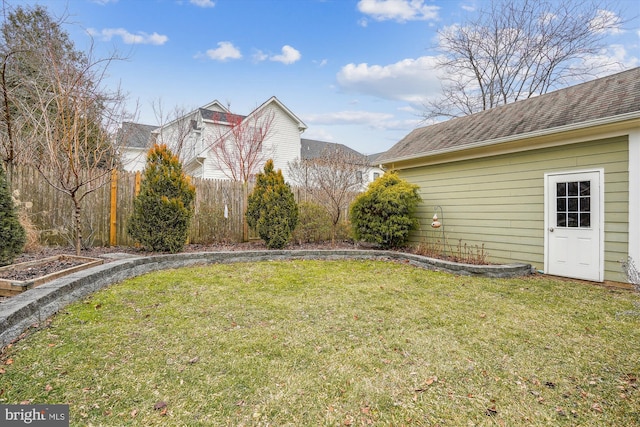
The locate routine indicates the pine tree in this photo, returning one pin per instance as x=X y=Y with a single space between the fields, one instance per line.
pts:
x=12 y=234
x=163 y=210
x=272 y=210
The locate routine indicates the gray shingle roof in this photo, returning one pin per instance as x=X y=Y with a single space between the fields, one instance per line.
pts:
x=311 y=149
x=136 y=135
x=597 y=99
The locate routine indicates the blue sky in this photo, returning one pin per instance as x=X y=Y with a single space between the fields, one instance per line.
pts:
x=355 y=72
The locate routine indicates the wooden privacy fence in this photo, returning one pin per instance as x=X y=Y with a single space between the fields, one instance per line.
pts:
x=218 y=218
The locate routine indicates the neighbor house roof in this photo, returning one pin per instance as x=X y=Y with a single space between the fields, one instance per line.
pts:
x=311 y=148
x=616 y=96
x=218 y=116
x=136 y=135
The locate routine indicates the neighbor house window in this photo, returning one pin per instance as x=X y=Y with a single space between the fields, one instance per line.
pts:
x=573 y=204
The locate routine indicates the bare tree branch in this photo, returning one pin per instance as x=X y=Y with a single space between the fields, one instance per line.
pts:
x=175 y=127
x=332 y=178
x=515 y=50
x=238 y=143
x=75 y=121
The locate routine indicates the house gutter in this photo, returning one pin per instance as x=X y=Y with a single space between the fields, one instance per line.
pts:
x=635 y=115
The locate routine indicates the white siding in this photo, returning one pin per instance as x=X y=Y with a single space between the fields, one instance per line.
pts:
x=282 y=144
x=134 y=159
x=284 y=141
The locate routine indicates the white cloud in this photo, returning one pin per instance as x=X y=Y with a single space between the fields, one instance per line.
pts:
x=224 y=52
x=107 y=34
x=289 y=55
x=613 y=59
x=410 y=80
x=319 y=134
x=468 y=7
x=373 y=120
x=347 y=117
x=398 y=10
x=260 y=56
x=606 y=21
x=203 y=3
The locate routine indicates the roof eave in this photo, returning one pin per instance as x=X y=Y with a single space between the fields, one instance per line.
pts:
x=618 y=119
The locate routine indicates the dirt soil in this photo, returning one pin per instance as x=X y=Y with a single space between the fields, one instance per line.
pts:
x=27 y=272
x=42 y=269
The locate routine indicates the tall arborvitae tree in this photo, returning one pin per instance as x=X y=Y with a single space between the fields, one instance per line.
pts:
x=272 y=210
x=163 y=210
x=12 y=234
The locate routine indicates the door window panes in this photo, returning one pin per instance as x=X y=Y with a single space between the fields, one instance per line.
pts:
x=573 y=204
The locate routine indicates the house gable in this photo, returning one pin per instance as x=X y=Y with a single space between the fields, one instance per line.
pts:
x=282 y=143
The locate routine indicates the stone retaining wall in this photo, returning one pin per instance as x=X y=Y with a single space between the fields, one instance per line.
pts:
x=34 y=306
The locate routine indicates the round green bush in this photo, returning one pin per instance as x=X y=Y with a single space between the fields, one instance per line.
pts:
x=384 y=214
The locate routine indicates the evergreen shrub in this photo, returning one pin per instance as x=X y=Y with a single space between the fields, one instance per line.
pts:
x=12 y=234
x=271 y=209
x=384 y=214
x=163 y=210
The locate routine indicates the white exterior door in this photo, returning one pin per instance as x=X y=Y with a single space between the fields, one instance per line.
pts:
x=574 y=244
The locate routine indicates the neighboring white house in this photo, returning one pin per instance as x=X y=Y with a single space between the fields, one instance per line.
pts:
x=192 y=135
x=311 y=149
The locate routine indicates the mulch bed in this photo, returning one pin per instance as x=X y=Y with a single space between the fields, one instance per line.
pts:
x=27 y=272
x=42 y=269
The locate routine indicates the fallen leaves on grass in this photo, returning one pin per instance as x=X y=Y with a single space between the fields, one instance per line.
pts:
x=159 y=405
x=492 y=411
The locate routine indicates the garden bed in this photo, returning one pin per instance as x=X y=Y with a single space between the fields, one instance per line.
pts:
x=17 y=278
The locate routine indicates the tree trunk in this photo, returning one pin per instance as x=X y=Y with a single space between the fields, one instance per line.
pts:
x=77 y=224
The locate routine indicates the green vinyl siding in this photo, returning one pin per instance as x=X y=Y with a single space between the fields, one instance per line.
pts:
x=498 y=201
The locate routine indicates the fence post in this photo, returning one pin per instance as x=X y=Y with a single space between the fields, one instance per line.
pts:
x=245 y=202
x=136 y=187
x=113 y=212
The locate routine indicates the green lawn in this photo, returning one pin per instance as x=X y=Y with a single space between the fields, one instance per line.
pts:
x=307 y=343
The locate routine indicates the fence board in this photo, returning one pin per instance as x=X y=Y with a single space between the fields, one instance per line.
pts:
x=219 y=209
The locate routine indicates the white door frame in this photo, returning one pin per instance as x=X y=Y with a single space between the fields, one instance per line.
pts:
x=550 y=210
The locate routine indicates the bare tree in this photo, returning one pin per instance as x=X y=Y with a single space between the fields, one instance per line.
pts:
x=75 y=120
x=238 y=144
x=25 y=34
x=332 y=178
x=174 y=127
x=515 y=50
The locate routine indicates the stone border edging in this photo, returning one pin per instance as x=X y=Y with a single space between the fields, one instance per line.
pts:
x=34 y=306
